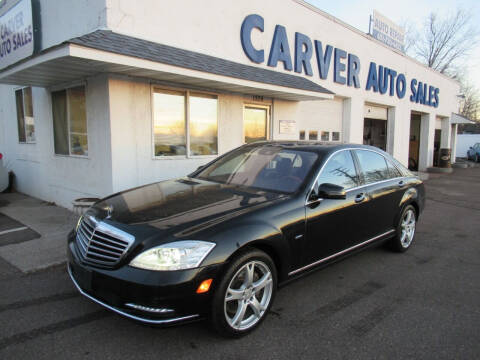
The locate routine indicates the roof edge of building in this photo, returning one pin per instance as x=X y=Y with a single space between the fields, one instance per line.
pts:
x=123 y=44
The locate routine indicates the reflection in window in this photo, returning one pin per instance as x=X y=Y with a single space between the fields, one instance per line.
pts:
x=255 y=120
x=313 y=135
x=339 y=170
x=325 y=136
x=78 y=121
x=169 y=123
x=265 y=167
x=25 y=122
x=374 y=167
x=70 y=122
x=203 y=124
x=394 y=172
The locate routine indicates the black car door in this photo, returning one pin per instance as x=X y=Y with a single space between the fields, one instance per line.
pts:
x=384 y=186
x=332 y=225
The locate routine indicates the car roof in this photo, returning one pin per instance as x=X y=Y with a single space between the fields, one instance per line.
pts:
x=320 y=147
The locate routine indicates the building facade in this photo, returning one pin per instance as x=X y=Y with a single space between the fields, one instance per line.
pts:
x=100 y=96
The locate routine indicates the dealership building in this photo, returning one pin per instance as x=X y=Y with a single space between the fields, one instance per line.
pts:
x=97 y=96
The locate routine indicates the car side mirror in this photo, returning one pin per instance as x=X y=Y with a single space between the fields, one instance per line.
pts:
x=471 y=147
x=331 y=191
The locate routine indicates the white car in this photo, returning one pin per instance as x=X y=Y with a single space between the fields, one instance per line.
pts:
x=3 y=175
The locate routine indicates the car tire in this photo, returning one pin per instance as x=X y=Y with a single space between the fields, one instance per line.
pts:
x=405 y=231
x=476 y=158
x=241 y=302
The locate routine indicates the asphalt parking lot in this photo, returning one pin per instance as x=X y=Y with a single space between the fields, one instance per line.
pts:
x=377 y=304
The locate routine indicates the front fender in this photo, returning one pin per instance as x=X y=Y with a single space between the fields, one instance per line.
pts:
x=259 y=234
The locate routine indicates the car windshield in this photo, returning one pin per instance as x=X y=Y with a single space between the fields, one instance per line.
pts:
x=267 y=167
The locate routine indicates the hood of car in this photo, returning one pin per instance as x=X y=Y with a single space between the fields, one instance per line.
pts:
x=177 y=205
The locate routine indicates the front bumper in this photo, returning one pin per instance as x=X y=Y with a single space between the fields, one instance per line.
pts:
x=151 y=297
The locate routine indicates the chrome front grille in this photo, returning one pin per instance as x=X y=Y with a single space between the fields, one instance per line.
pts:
x=100 y=243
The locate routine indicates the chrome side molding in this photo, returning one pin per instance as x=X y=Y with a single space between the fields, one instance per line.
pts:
x=340 y=253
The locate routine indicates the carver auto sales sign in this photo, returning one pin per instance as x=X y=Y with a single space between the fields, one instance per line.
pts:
x=16 y=31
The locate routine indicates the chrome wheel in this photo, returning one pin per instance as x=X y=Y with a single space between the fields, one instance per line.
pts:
x=248 y=295
x=407 y=228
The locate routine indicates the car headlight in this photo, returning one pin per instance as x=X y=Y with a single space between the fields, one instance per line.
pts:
x=178 y=255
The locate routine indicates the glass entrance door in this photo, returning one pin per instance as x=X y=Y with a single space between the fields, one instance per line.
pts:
x=255 y=123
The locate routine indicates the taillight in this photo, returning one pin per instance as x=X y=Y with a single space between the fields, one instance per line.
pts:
x=1 y=156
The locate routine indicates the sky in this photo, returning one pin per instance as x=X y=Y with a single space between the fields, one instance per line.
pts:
x=357 y=13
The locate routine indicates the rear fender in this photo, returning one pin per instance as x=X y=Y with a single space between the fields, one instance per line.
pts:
x=410 y=196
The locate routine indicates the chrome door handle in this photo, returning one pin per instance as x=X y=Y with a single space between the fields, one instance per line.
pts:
x=360 y=197
x=401 y=183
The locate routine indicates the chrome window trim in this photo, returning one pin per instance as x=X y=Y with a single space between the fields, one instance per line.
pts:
x=356 y=187
x=340 y=253
x=118 y=311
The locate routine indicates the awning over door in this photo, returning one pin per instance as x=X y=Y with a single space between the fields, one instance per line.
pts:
x=106 y=52
x=459 y=119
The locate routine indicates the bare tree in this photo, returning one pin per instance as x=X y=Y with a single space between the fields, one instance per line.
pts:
x=470 y=104
x=411 y=35
x=443 y=43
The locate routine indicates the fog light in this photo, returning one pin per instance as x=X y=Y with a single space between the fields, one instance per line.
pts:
x=204 y=286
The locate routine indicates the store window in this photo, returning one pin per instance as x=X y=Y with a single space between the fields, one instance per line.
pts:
x=313 y=135
x=335 y=136
x=325 y=136
x=70 y=121
x=301 y=135
x=170 y=123
x=25 y=120
x=255 y=123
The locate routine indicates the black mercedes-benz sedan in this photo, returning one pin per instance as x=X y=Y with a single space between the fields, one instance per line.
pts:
x=217 y=243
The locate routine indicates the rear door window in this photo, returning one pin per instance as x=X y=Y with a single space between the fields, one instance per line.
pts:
x=374 y=166
x=394 y=172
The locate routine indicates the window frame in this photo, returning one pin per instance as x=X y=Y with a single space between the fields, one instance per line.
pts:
x=269 y=119
x=186 y=93
x=23 y=107
x=322 y=133
x=61 y=88
x=358 y=168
